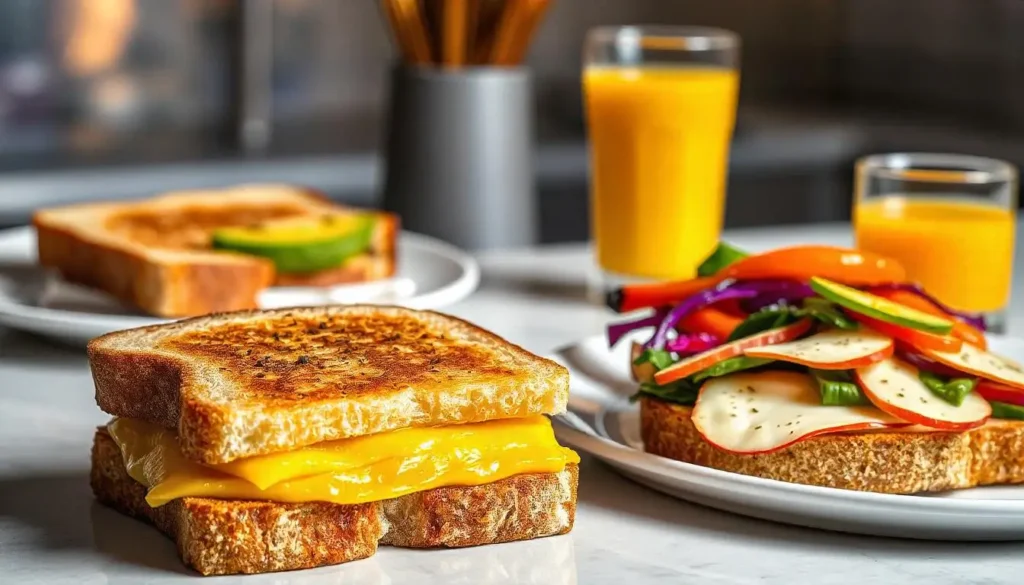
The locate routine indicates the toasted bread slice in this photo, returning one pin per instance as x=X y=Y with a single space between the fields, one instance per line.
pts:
x=228 y=536
x=254 y=382
x=156 y=254
x=884 y=461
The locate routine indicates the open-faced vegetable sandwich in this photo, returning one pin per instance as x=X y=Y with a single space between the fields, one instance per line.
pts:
x=822 y=365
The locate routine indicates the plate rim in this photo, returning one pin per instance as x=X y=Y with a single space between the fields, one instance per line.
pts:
x=448 y=294
x=621 y=454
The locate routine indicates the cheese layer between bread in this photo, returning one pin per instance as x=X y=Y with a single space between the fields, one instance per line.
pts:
x=348 y=471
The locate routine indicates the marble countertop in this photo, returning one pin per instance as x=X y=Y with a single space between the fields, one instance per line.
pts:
x=51 y=530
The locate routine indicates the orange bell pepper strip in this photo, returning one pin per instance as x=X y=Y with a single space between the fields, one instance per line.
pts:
x=961 y=330
x=843 y=265
x=656 y=294
x=710 y=320
x=796 y=263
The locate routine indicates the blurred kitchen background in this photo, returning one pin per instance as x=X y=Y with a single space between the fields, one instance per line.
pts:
x=126 y=98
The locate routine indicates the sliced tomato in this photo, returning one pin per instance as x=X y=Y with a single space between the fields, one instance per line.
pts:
x=843 y=265
x=961 y=330
x=995 y=392
x=657 y=294
x=915 y=338
x=834 y=349
x=710 y=320
x=978 y=362
x=779 y=409
x=894 y=387
x=696 y=363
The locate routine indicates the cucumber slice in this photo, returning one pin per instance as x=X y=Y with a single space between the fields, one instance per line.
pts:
x=306 y=244
x=879 y=308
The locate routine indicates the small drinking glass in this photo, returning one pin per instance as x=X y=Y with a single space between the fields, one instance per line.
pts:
x=949 y=219
x=661 y=106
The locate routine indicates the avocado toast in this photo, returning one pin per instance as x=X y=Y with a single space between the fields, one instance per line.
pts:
x=192 y=253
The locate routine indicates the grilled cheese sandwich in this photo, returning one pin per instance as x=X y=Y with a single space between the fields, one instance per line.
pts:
x=226 y=433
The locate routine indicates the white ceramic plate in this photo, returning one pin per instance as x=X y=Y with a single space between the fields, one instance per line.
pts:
x=601 y=421
x=431 y=274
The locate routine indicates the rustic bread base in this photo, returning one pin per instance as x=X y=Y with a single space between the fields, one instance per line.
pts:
x=886 y=462
x=225 y=536
x=158 y=288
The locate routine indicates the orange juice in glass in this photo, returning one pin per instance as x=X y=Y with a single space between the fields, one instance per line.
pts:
x=661 y=106
x=949 y=219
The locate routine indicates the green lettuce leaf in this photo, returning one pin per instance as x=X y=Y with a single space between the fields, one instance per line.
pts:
x=827 y=313
x=682 y=392
x=773 y=317
x=659 y=358
x=763 y=320
x=729 y=366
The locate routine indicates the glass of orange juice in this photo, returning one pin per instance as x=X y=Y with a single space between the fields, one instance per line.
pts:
x=949 y=219
x=661 y=106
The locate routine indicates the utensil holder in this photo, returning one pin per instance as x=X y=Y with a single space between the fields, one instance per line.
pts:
x=459 y=155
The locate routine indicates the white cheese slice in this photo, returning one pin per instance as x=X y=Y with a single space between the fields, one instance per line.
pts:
x=894 y=387
x=981 y=363
x=835 y=349
x=766 y=411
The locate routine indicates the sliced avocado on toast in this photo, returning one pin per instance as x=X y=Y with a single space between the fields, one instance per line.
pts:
x=306 y=244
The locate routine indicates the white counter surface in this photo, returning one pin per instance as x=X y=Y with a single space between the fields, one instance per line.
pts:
x=51 y=530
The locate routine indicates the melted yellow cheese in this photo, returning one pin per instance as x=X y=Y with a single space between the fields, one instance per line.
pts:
x=349 y=471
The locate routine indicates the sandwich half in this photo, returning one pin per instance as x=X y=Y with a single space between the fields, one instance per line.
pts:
x=265 y=441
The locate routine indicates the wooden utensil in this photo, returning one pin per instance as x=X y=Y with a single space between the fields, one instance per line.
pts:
x=489 y=14
x=410 y=30
x=455 y=33
x=533 y=14
x=456 y=24
x=515 y=27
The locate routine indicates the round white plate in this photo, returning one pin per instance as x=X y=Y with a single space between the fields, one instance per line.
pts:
x=431 y=274
x=601 y=421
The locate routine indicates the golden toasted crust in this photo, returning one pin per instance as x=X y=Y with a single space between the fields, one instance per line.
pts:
x=256 y=382
x=226 y=536
x=157 y=288
x=530 y=505
x=888 y=462
x=156 y=255
x=997 y=451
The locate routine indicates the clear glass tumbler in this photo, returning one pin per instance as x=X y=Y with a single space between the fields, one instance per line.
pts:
x=660 y=107
x=949 y=219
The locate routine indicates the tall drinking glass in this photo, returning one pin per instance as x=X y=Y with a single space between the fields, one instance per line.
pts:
x=949 y=219
x=661 y=106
